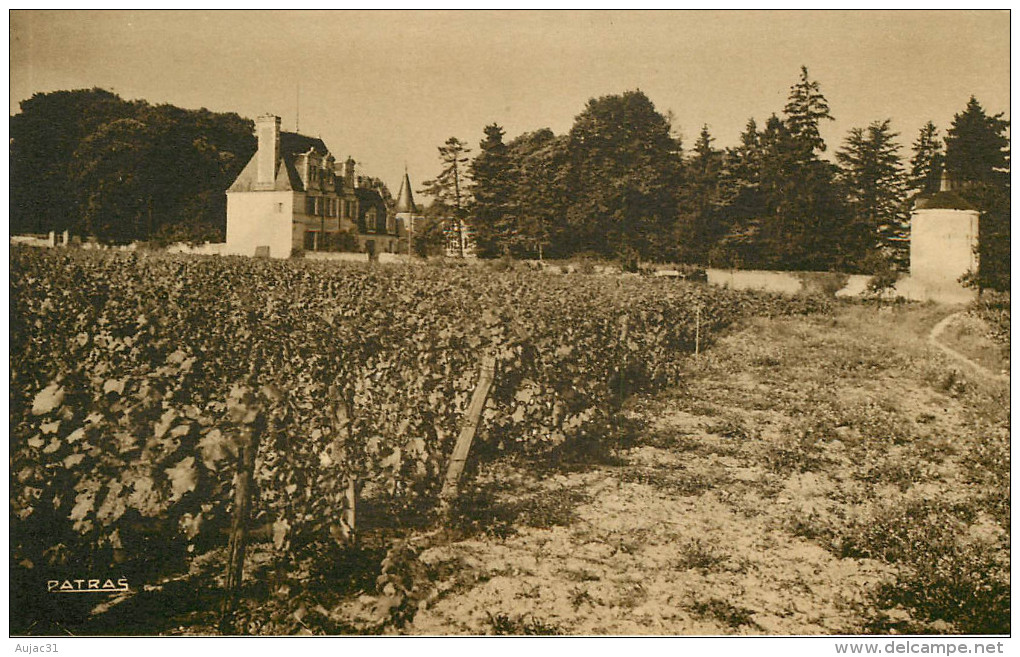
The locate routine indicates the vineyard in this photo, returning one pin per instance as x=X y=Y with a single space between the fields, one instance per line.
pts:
x=143 y=388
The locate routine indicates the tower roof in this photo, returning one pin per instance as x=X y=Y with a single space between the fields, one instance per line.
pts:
x=405 y=199
x=944 y=199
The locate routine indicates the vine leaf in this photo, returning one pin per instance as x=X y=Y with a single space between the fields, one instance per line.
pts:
x=48 y=399
x=215 y=447
x=183 y=478
x=114 y=385
x=113 y=506
x=84 y=502
x=281 y=528
x=144 y=496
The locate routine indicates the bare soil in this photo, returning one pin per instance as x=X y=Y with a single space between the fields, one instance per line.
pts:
x=736 y=505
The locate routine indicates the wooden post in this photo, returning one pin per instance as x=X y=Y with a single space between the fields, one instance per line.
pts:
x=623 y=363
x=239 y=527
x=343 y=418
x=467 y=432
x=697 y=330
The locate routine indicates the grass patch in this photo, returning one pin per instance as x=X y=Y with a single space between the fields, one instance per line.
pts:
x=974 y=338
x=797 y=453
x=941 y=576
x=728 y=614
x=695 y=555
x=489 y=510
x=670 y=480
x=501 y=624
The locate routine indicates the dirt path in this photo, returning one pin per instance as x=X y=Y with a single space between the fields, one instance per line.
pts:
x=935 y=337
x=772 y=494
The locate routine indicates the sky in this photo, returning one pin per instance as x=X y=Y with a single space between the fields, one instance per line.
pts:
x=388 y=87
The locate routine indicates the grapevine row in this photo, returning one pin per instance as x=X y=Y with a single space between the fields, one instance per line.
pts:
x=136 y=377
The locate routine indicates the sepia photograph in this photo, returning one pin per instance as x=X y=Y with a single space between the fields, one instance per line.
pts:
x=690 y=324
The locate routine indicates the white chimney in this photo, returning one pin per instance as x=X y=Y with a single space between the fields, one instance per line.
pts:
x=267 y=128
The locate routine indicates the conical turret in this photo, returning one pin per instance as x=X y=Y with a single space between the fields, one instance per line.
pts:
x=405 y=199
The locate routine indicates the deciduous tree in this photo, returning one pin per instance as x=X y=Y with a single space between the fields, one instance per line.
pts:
x=623 y=173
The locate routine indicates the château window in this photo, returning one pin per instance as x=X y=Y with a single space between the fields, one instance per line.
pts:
x=370 y=220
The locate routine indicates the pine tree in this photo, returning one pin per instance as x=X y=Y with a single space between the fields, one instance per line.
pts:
x=804 y=215
x=927 y=161
x=805 y=110
x=491 y=213
x=873 y=179
x=977 y=149
x=448 y=188
x=699 y=228
x=740 y=198
x=977 y=160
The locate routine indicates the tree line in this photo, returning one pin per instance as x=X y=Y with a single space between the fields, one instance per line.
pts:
x=620 y=184
x=93 y=163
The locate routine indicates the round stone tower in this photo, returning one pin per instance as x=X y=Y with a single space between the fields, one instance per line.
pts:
x=943 y=245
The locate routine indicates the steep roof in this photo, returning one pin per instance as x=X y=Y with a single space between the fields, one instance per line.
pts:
x=287 y=178
x=405 y=199
x=368 y=195
x=292 y=143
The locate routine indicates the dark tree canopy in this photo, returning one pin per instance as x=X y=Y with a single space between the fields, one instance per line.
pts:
x=93 y=163
x=617 y=185
x=622 y=179
x=977 y=148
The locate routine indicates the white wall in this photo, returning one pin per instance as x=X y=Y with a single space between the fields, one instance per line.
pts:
x=339 y=256
x=208 y=248
x=938 y=289
x=262 y=219
x=772 y=281
x=942 y=249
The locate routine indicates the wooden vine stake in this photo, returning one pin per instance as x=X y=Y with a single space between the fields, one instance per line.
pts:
x=467 y=432
x=697 y=330
x=343 y=419
x=244 y=483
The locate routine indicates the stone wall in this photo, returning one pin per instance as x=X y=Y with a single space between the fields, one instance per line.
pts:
x=944 y=290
